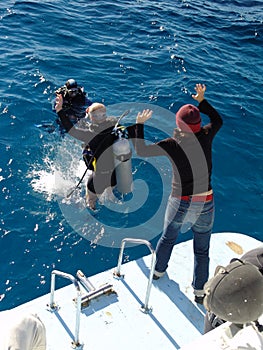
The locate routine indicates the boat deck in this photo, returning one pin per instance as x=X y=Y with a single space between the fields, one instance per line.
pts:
x=116 y=320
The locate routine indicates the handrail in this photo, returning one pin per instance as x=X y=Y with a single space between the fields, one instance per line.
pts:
x=145 y=307
x=53 y=306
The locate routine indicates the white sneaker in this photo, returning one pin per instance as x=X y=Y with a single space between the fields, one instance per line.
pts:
x=157 y=275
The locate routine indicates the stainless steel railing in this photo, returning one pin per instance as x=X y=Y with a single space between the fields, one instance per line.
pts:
x=117 y=272
x=76 y=344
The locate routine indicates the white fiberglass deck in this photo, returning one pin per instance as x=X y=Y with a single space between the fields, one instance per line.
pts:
x=116 y=321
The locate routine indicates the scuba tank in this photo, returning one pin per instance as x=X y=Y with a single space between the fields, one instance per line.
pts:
x=122 y=160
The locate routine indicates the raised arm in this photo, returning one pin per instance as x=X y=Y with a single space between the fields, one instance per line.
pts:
x=143 y=116
x=204 y=107
x=150 y=150
x=200 y=92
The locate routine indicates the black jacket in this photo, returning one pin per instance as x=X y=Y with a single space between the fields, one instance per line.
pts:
x=189 y=153
x=99 y=137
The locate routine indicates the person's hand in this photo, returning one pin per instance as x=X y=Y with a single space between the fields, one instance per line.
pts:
x=200 y=92
x=59 y=103
x=143 y=116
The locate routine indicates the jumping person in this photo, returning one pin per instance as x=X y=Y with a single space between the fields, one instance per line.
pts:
x=190 y=152
x=98 y=138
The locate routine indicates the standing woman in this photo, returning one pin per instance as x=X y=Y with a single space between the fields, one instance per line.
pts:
x=191 y=200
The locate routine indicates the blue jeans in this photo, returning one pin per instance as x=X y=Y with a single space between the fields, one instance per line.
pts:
x=199 y=216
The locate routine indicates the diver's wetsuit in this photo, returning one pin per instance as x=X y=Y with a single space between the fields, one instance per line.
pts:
x=100 y=138
x=75 y=103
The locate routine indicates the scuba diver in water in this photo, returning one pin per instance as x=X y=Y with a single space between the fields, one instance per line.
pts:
x=75 y=102
x=100 y=137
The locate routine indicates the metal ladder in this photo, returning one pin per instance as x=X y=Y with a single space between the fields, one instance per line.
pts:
x=145 y=306
x=83 y=301
x=80 y=301
x=53 y=306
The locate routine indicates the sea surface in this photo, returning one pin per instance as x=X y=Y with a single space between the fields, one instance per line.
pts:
x=129 y=55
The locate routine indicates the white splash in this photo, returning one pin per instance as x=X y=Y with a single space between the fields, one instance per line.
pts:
x=60 y=170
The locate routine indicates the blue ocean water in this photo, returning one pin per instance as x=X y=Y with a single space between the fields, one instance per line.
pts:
x=127 y=54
